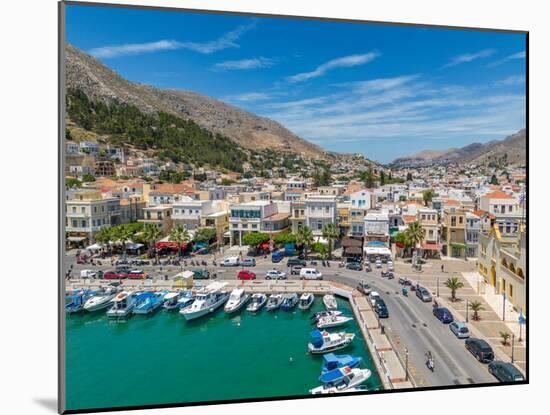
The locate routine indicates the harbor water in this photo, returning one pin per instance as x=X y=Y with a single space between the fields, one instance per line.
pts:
x=162 y=359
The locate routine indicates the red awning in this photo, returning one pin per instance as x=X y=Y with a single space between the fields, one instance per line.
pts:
x=430 y=246
x=166 y=245
x=264 y=245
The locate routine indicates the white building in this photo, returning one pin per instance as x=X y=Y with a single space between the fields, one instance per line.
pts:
x=189 y=212
x=320 y=210
x=89 y=147
x=256 y=216
x=377 y=226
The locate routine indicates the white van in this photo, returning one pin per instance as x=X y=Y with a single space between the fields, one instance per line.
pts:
x=88 y=273
x=310 y=274
x=231 y=261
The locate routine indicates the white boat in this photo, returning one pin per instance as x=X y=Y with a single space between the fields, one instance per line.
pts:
x=274 y=302
x=207 y=300
x=316 y=316
x=332 y=321
x=237 y=299
x=100 y=300
x=325 y=342
x=257 y=302
x=148 y=302
x=330 y=302
x=306 y=300
x=123 y=304
x=346 y=380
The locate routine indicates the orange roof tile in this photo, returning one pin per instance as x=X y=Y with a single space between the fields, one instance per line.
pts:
x=498 y=194
x=451 y=202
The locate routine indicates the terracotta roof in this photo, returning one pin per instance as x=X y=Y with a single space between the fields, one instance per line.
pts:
x=409 y=218
x=451 y=202
x=498 y=194
x=171 y=188
x=278 y=216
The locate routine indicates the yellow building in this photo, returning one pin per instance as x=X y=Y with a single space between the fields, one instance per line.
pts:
x=454 y=231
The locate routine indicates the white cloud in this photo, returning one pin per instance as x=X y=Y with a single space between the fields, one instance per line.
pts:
x=250 y=97
x=227 y=40
x=342 y=62
x=469 y=57
x=512 y=80
x=244 y=64
x=518 y=55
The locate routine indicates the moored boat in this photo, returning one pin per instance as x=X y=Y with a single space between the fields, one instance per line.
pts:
x=101 y=299
x=289 y=301
x=257 y=301
x=330 y=302
x=306 y=300
x=325 y=342
x=207 y=300
x=122 y=305
x=332 y=321
x=237 y=299
x=342 y=380
x=74 y=301
x=148 y=302
x=274 y=302
x=333 y=361
x=316 y=316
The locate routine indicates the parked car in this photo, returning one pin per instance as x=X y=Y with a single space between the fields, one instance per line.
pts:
x=201 y=274
x=459 y=329
x=480 y=349
x=245 y=274
x=137 y=274
x=443 y=314
x=247 y=262
x=277 y=256
x=364 y=288
x=275 y=275
x=295 y=270
x=310 y=274
x=423 y=294
x=373 y=297
x=381 y=309
x=122 y=269
x=140 y=262
x=354 y=266
x=295 y=262
x=505 y=371
x=231 y=261
x=89 y=273
x=112 y=275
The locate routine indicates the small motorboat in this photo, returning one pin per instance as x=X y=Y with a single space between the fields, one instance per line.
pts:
x=333 y=361
x=257 y=302
x=341 y=380
x=171 y=300
x=330 y=302
x=185 y=300
x=123 y=304
x=148 y=302
x=306 y=301
x=360 y=388
x=74 y=301
x=237 y=299
x=319 y=314
x=101 y=300
x=289 y=301
x=274 y=302
x=332 y=321
x=325 y=342
x=207 y=300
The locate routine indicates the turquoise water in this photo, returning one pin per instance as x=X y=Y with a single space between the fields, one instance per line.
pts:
x=162 y=359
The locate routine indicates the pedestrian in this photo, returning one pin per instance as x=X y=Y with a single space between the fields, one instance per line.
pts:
x=442 y=268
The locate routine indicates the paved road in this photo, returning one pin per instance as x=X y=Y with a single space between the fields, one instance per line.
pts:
x=411 y=323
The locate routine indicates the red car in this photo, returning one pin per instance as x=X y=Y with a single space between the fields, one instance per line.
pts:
x=245 y=274
x=137 y=275
x=111 y=275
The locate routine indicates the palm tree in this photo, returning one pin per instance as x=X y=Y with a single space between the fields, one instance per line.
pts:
x=151 y=233
x=123 y=234
x=454 y=284
x=104 y=236
x=504 y=335
x=330 y=233
x=416 y=233
x=427 y=196
x=179 y=234
x=304 y=237
x=476 y=307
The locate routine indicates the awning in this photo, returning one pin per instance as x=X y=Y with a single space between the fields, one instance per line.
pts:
x=76 y=238
x=354 y=250
x=94 y=247
x=376 y=243
x=458 y=245
x=430 y=246
x=347 y=242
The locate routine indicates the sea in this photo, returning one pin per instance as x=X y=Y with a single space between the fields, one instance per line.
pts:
x=163 y=359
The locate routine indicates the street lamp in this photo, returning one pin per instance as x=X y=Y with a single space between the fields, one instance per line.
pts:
x=513 y=339
x=438 y=287
x=406 y=364
x=503 y=306
x=467 y=310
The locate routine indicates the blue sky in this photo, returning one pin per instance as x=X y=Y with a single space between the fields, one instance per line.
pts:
x=384 y=91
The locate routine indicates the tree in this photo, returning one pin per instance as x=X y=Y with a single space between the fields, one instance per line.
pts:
x=504 y=335
x=284 y=238
x=180 y=235
x=453 y=284
x=416 y=233
x=71 y=182
x=476 y=307
x=382 y=178
x=204 y=235
x=255 y=238
x=369 y=179
x=123 y=234
x=321 y=249
x=409 y=177
x=494 y=180
x=104 y=236
x=151 y=234
x=404 y=239
x=304 y=237
x=330 y=233
x=427 y=196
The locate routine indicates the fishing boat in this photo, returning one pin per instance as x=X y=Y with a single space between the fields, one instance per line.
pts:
x=330 y=302
x=274 y=302
x=101 y=299
x=325 y=342
x=185 y=300
x=148 y=302
x=257 y=302
x=306 y=300
x=333 y=361
x=237 y=299
x=289 y=301
x=332 y=321
x=207 y=300
x=171 y=299
x=74 y=301
x=341 y=380
x=123 y=304
x=316 y=316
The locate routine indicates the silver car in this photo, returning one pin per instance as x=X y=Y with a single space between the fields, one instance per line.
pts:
x=459 y=329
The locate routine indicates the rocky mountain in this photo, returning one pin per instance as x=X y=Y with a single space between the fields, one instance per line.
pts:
x=511 y=150
x=98 y=82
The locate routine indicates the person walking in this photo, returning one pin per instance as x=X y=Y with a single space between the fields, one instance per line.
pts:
x=442 y=268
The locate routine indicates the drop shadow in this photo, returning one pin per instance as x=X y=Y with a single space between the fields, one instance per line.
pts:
x=48 y=403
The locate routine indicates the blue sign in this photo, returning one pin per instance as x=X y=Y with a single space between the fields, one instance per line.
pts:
x=521 y=319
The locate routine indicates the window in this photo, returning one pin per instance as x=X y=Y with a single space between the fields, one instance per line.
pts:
x=74 y=209
x=510 y=290
x=509 y=210
x=319 y=225
x=254 y=226
x=460 y=220
x=83 y=223
x=75 y=223
x=453 y=220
